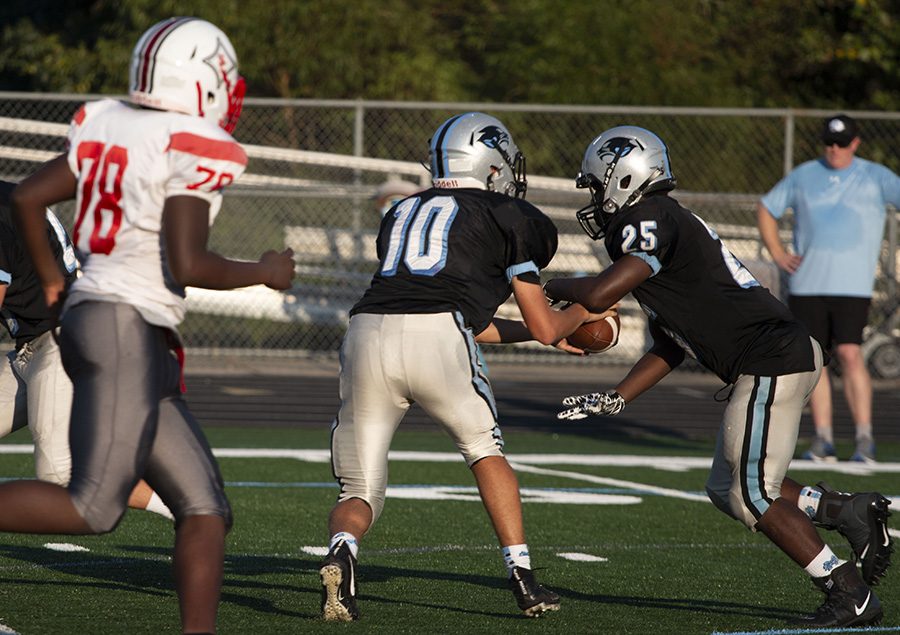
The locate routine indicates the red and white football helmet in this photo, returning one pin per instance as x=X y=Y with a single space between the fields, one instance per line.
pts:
x=188 y=65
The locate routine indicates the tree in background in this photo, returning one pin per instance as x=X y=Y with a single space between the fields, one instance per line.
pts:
x=763 y=53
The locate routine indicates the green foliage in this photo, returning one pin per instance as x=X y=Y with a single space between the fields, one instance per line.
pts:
x=766 y=53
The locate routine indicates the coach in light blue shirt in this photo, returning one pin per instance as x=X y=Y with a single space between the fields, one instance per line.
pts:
x=839 y=203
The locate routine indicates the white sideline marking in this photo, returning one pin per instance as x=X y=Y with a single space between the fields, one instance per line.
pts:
x=894 y=532
x=590 y=478
x=667 y=463
x=64 y=546
x=581 y=557
x=320 y=552
x=529 y=495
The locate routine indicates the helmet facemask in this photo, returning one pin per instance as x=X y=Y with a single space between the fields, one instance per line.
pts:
x=593 y=219
x=235 y=105
x=517 y=183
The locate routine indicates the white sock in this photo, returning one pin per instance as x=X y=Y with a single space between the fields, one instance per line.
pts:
x=826 y=435
x=516 y=556
x=348 y=538
x=863 y=431
x=823 y=564
x=157 y=506
x=809 y=501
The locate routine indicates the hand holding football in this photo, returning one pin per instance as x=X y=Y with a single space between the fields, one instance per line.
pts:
x=596 y=337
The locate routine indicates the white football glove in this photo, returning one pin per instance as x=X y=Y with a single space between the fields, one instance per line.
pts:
x=596 y=403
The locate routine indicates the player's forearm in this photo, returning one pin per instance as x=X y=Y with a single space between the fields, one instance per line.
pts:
x=52 y=183
x=208 y=270
x=584 y=291
x=645 y=374
x=548 y=327
x=768 y=232
x=501 y=331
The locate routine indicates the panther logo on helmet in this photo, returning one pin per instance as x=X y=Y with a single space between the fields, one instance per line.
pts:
x=494 y=138
x=476 y=150
x=618 y=147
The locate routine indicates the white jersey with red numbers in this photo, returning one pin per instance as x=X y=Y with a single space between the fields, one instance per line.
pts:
x=128 y=161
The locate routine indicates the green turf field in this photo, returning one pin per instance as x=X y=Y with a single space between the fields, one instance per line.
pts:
x=654 y=558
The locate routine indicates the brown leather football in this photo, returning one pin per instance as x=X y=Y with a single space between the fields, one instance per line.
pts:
x=596 y=337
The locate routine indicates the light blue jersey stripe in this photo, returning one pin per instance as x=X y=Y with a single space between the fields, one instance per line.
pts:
x=653 y=261
x=519 y=269
x=755 y=450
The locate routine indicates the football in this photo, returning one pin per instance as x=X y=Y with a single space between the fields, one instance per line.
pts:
x=596 y=337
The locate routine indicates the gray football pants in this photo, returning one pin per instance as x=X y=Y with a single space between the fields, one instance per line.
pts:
x=129 y=420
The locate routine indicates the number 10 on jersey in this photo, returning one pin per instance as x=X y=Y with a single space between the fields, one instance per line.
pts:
x=419 y=235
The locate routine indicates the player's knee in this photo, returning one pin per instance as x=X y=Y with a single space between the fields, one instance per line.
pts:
x=51 y=474
x=102 y=521
x=209 y=502
x=52 y=467
x=720 y=500
x=482 y=449
x=222 y=512
x=372 y=494
x=375 y=503
x=743 y=509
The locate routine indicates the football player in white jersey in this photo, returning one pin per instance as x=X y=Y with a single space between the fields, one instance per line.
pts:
x=34 y=388
x=148 y=178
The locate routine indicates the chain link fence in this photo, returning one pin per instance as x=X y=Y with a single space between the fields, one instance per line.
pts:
x=316 y=165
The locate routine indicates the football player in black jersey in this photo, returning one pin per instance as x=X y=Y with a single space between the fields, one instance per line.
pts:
x=701 y=301
x=34 y=389
x=449 y=257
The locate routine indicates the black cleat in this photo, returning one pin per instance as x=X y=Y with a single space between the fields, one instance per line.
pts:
x=862 y=520
x=531 y=597
x=338 y=573
x=848 y=601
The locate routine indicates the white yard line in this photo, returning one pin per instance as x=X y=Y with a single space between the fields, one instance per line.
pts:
x=602 y=480
x=666 y=463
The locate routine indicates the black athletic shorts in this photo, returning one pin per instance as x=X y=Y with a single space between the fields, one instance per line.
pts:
x=832 y=319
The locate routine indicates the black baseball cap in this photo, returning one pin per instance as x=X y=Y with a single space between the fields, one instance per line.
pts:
x=840 y=129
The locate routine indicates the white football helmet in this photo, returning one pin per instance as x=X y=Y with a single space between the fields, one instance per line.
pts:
x=187 y=65
x=476 y=150
x=620 y=167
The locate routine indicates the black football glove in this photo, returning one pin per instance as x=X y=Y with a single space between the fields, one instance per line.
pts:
x=596 y=403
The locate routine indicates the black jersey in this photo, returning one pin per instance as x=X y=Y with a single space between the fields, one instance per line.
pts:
x=457 y=250
x=702 y=297
x=24 y=310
